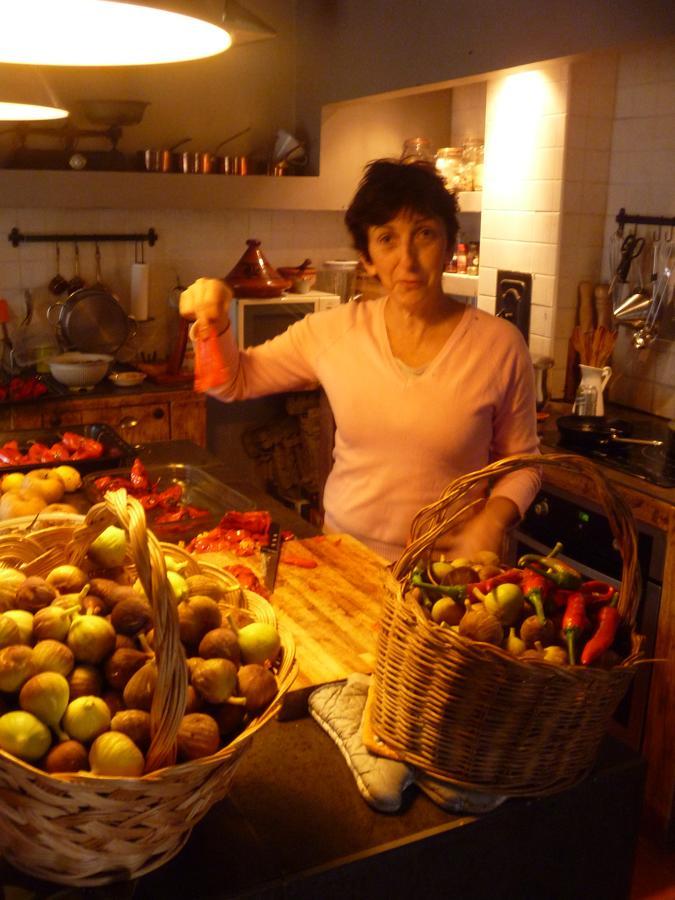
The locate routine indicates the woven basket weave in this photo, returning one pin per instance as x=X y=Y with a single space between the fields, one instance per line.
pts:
x=472 y=714
x=86 y=830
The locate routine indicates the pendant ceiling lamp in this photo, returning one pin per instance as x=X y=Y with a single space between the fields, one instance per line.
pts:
x=110 y=32
x=29 y=112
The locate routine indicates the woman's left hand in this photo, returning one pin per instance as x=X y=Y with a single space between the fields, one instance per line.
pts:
x=485 y=530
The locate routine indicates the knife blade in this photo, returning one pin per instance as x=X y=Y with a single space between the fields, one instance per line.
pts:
x=271 y=556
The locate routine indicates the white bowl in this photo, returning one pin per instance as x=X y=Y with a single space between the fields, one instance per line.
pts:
x=80 y=370
x=127 y=379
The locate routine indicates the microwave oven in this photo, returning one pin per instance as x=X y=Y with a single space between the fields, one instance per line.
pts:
x=255 y=321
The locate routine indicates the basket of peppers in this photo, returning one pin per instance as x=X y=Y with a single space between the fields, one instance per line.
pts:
x=503 y=680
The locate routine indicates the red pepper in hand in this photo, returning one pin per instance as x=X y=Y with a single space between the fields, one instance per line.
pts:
x=535 y=590
x=608 y=623
x=574 y=623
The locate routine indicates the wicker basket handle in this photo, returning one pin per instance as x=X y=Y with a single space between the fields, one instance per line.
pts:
x=168 y=702
x=434 y=520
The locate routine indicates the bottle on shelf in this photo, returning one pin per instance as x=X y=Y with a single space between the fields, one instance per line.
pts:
x=461 y=258
x=472 y=258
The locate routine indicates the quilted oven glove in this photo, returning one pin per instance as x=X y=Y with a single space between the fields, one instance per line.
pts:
x=338 y=708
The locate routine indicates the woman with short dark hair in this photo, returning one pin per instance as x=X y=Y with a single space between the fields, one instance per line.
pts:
x=422 y=388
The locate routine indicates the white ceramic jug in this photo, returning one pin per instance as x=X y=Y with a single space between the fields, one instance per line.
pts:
x=593 y=381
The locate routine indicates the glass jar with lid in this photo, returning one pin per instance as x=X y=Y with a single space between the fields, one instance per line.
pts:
x=449 y=165
x=417 y=148
x=472 y=159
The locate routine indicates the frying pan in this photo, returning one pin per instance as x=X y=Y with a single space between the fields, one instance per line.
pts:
x=594 y=432
x=91 y=320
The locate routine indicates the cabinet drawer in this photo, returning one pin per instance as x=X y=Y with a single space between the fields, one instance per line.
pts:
x=134 y=424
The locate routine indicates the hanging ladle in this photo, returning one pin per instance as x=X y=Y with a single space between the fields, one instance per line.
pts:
x=58 y=285
x=76 y=282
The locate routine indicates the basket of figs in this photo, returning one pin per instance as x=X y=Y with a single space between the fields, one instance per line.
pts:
x=502 y=678
x=132 y=679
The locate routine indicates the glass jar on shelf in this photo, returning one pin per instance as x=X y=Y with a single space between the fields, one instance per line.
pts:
x=449 y=165
x=417 y=148
x=472 y=160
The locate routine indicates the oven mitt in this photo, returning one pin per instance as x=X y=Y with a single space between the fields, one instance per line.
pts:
x=338 y=708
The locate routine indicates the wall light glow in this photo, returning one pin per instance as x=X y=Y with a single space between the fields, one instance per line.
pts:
x=29 y=112
x=518 y=109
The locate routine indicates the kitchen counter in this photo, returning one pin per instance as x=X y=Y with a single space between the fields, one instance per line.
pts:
x=294 y=825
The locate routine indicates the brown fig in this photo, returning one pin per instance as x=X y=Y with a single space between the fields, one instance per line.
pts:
x=257 y=685
x=114 y=701
x=532 y=630
x=85 y=681
x=198 y=736
x=9 y=632
x=111 y=592
x=68 y=756
x=207 y=587
x=229 y=717
x=131 y=615
x=135 y=723
x=121 y=665
x=193 y=701
x=220 y=642
x=35 y=593
x=480 y=625
x=140 y=688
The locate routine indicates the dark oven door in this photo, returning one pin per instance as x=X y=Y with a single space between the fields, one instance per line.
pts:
x=583 y=529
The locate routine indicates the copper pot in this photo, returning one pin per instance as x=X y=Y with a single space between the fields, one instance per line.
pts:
x=254 y=277
x=163 y=160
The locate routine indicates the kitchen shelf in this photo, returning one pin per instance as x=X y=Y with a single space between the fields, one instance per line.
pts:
x=460 y=285
x=41 y=189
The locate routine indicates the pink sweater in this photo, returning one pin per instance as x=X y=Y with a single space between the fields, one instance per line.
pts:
x=400 y=438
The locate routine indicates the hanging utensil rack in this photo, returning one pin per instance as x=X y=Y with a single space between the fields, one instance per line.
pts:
x=624 y=218
x=16 y=237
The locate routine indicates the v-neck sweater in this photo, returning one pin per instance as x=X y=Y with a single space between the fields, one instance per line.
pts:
x=400 y=438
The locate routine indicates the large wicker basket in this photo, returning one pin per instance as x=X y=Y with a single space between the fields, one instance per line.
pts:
x=469 y=712
x=85 y=830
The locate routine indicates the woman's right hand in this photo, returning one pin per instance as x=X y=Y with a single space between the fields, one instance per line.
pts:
x=207 y=300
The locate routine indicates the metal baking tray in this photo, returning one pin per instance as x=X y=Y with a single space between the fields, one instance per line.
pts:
x=199 y=489
x=116 y=452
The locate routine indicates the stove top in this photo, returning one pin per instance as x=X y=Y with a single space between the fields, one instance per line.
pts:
x=645 y=462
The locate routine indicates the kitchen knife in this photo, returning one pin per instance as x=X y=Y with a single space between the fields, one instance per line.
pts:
x=271 y=557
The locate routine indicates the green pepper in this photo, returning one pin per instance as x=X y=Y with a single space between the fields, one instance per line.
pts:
x=456 y=591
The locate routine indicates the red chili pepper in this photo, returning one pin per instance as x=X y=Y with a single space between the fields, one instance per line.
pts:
x=510 y=576
x=91 y=447
x=10 y=456
x=176 y=516
x=608 y=623
x=257 y=521
x=574 y=623
x=300 y=561
x=598 y=591
x=535 y=589
x=60 y=450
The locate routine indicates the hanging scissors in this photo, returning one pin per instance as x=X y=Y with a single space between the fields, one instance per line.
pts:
x=631 y=248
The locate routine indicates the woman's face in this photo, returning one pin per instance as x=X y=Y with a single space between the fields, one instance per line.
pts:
x=408 y=254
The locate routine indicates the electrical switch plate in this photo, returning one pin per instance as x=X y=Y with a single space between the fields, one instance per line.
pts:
x=514 y=299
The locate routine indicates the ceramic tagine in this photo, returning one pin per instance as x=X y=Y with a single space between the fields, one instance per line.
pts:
x=254 y=277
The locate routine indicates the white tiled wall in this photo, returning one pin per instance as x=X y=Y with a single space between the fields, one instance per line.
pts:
x=642 y=181
x=190 y=244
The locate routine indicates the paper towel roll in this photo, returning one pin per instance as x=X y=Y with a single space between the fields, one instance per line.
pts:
x=140 y=283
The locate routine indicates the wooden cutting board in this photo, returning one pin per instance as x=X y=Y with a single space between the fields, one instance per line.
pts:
x=332 y=610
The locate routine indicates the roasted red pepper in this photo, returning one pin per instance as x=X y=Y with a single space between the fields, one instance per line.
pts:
x=608 y=623
x=300 y=561
x=574 y=623
x=139 y=476
x=535 y=590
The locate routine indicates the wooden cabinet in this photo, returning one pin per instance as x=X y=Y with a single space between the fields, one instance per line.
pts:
x=138 y=417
